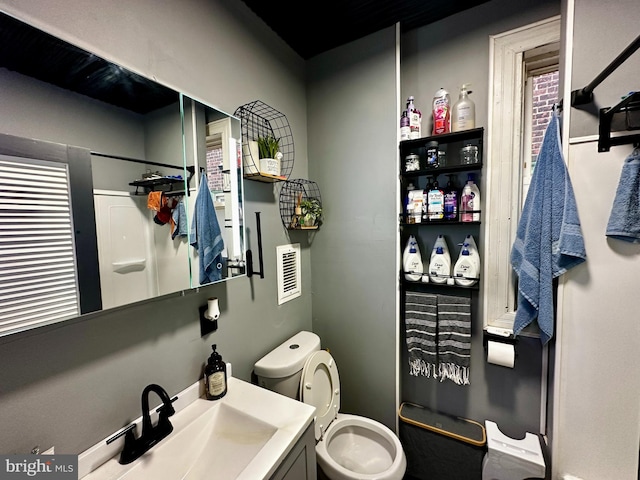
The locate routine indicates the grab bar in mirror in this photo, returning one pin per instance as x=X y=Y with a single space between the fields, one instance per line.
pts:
x=250 y=270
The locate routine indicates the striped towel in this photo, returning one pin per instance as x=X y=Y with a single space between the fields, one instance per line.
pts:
x=421 y=322
x=454 y=338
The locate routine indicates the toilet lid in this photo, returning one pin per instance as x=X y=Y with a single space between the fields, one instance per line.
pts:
x=320 y=387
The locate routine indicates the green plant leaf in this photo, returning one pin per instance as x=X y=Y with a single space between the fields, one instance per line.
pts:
x=268 y=146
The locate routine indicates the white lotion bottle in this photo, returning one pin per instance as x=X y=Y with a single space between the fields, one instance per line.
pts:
x=473 y=250
x=440 y=266
x=464 y=271
x=440 y=242
x=463 y=114
x=412 y=261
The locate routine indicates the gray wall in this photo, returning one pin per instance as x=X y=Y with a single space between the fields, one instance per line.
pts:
x=72 y=384
x=353 y=149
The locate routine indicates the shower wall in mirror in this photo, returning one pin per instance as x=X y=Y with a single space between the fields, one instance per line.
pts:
x=144 y=152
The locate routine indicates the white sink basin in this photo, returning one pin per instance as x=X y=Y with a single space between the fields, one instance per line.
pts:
x=244 y=435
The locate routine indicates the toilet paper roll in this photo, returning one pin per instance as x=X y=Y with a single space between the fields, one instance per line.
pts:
x=499 y=353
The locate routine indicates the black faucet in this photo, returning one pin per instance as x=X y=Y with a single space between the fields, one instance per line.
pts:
x=135 y=447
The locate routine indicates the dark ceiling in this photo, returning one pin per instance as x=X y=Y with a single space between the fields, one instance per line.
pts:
x=29 y=51
x=311 y=28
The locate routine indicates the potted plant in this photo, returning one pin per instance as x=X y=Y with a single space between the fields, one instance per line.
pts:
x=270 y=155
x=311 y=212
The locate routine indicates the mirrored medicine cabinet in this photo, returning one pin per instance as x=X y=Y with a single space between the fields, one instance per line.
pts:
x=101 y=168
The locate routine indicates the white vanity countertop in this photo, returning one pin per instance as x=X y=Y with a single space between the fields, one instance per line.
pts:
x=245 y=435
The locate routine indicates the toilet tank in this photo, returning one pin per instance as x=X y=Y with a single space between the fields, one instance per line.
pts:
x=280 y=370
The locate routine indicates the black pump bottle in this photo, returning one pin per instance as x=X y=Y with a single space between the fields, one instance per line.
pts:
x=215 y=376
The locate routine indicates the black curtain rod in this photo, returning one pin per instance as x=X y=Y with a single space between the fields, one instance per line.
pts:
x=137 y=160
x=585 y=95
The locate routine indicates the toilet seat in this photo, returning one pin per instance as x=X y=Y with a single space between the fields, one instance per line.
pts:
x=356 y=447
x=320 y=387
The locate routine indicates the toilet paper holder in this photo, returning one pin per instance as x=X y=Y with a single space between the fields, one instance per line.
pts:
x=497 y=334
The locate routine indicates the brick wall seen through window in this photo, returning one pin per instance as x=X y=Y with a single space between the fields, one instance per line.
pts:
x=545 y=94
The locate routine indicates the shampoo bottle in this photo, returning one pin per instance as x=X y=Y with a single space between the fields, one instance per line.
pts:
x=463 y=115
x=215 y=376
x=415 y=120
x=405 y=129
x=412 y=261
x=451 y=200
x=441 y=112
x=435 y=202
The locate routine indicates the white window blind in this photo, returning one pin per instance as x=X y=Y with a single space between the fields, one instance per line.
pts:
x=37 y=255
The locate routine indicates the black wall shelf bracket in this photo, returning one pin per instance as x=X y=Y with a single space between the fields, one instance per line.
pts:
x=250 y=270
x=623 y=116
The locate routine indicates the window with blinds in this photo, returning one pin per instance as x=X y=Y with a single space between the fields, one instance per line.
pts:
x=38 y=280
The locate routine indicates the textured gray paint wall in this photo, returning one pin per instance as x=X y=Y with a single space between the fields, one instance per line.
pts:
x=591 y=57
x=353 y=156
x=72 y=384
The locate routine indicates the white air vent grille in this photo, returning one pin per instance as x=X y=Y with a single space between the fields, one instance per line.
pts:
x=288 y=266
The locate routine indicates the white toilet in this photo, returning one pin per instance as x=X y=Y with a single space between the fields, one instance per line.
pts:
x=347 y=446
x=510 y=459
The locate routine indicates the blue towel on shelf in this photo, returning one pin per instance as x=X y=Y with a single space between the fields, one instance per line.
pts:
x=206 y=236
x=549 y=238
x=624 y=220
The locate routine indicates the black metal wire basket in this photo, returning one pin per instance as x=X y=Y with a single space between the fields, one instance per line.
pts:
x=260 y=121
x=301 y=205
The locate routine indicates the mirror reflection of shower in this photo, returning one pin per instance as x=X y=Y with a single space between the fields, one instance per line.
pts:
x=134 y=129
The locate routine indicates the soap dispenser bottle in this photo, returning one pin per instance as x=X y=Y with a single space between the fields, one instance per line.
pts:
x=463 y=116
x=215 y=376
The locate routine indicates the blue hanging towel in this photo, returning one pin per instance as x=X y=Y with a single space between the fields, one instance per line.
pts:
x=624 y=220
x=179 y=216
x=205 y=235
x=549 y=237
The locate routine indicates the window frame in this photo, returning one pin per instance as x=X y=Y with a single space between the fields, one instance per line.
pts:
x=504 y=146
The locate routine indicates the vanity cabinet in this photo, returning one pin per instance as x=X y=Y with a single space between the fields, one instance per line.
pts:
x=417 y=171
x=300 y=463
